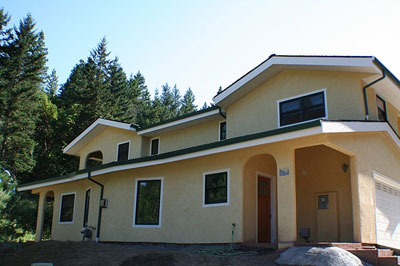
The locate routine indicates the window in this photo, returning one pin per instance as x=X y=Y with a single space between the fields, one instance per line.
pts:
x=86 y=210
x=123 y=151
x=216 y=189
x=148 y=202
x=301 y=109
x=222 y=130
x=154 y=146
x=381 y=109
x=67 y=208
x=94 y=159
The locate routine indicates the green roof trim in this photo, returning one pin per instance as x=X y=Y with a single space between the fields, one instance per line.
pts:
x=181 y=117
x=202 y=147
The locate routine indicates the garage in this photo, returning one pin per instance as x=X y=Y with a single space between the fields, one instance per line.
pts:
x=387 y=211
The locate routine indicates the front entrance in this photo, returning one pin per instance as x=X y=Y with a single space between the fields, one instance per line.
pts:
x=264 y=209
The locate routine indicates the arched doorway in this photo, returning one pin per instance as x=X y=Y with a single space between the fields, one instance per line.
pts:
x=259 y=186
x=94 y=159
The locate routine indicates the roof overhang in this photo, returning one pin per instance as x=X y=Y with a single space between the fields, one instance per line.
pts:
x=92 y=131
x=192 y=119
x=284 y=134
x=277 y=63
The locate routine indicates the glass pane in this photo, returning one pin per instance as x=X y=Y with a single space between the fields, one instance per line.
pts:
x=312 y=100
x=290 y=106
x=216 y=188
x=86 y=212
x=314 y=112
x=222 y=131
x=154 y=146
x=148 y=202
x=67 y=208
x=123 y=150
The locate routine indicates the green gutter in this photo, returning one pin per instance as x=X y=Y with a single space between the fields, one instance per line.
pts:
x=198 y=148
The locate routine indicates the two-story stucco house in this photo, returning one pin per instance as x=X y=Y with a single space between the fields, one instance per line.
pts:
x=298 y=146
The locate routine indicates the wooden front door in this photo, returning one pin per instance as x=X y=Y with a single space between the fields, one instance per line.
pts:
x=264 y=209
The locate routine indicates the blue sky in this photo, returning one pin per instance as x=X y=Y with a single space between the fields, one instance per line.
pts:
x=206 y=44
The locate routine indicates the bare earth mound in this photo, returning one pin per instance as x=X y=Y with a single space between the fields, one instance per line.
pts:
x=89 y=253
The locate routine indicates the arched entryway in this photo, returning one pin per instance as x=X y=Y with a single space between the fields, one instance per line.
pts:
x=259 y=184
x=48 y=215
x=94 y=159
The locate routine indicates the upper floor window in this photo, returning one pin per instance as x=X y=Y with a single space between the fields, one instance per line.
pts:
x=123 y=151
x=381 y=108
x=94 y=159
x=222 y=130
x=301 y=109
x=154 y=146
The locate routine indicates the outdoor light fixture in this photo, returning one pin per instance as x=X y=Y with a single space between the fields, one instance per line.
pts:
x=345 y=167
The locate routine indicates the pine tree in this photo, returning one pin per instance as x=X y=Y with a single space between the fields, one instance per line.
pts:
x=22 y=61
x=52 y=85
x=187 y=103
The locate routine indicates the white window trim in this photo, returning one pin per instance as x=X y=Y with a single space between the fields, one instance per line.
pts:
x=73 y=211
x=219 y=129
x=273 y=204
x=299 y=96
x=129 y=149
x=151 y=141
x=135 y=201
x=227 y=188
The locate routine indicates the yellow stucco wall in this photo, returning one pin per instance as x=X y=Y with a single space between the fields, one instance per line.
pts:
x=185 y=220
x=372 y=152
x=107 y=141
x=189 y=137
x=319 y=170
x=257 y=111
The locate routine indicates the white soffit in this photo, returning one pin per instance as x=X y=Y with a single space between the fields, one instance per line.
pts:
x=388 y=90
x=181 y=123
x=275 y=64
x=92 y=131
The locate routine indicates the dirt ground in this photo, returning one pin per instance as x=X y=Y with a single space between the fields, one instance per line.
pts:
x=110 y=254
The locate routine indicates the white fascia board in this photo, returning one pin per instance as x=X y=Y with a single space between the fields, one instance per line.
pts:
x=241 y=145
x=99 y=121
x=296 y=61
x=344 y=127
x=178 y=122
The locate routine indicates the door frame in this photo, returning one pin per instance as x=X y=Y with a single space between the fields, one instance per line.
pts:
x=272 y=207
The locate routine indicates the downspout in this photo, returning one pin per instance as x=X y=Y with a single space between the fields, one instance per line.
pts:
x=365 y=93
x=100 y=208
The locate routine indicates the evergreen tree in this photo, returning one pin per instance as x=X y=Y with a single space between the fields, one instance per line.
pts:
x=187 y=103
x=22 y=61
x=52 y=85
x=205 y=106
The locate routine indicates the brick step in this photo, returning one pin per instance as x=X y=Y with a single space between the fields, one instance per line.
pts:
x=367 y=255
x=388 y=261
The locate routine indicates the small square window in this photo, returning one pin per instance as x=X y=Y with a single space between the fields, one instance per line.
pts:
x=222 y=130
x=216 y=188
x=381 y=109
x=67 y=208
x=148 y=202
x=155 y=144
x=123 y=151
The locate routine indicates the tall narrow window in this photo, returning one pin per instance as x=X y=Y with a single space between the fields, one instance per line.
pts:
x=67 y=208
x=302 y=109
x=86 y=211
x=123 y=151
x=381 y=109
x=222 y=130
x=148 y=202
x=154 y=146
x=216 y=188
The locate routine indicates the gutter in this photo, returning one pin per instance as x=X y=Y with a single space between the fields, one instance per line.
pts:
x=365 y=92
x=100 y=207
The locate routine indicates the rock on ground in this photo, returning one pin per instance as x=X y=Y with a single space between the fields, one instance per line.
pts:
x=318 y=257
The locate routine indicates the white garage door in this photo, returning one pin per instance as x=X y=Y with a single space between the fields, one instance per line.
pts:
x=387 y=210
